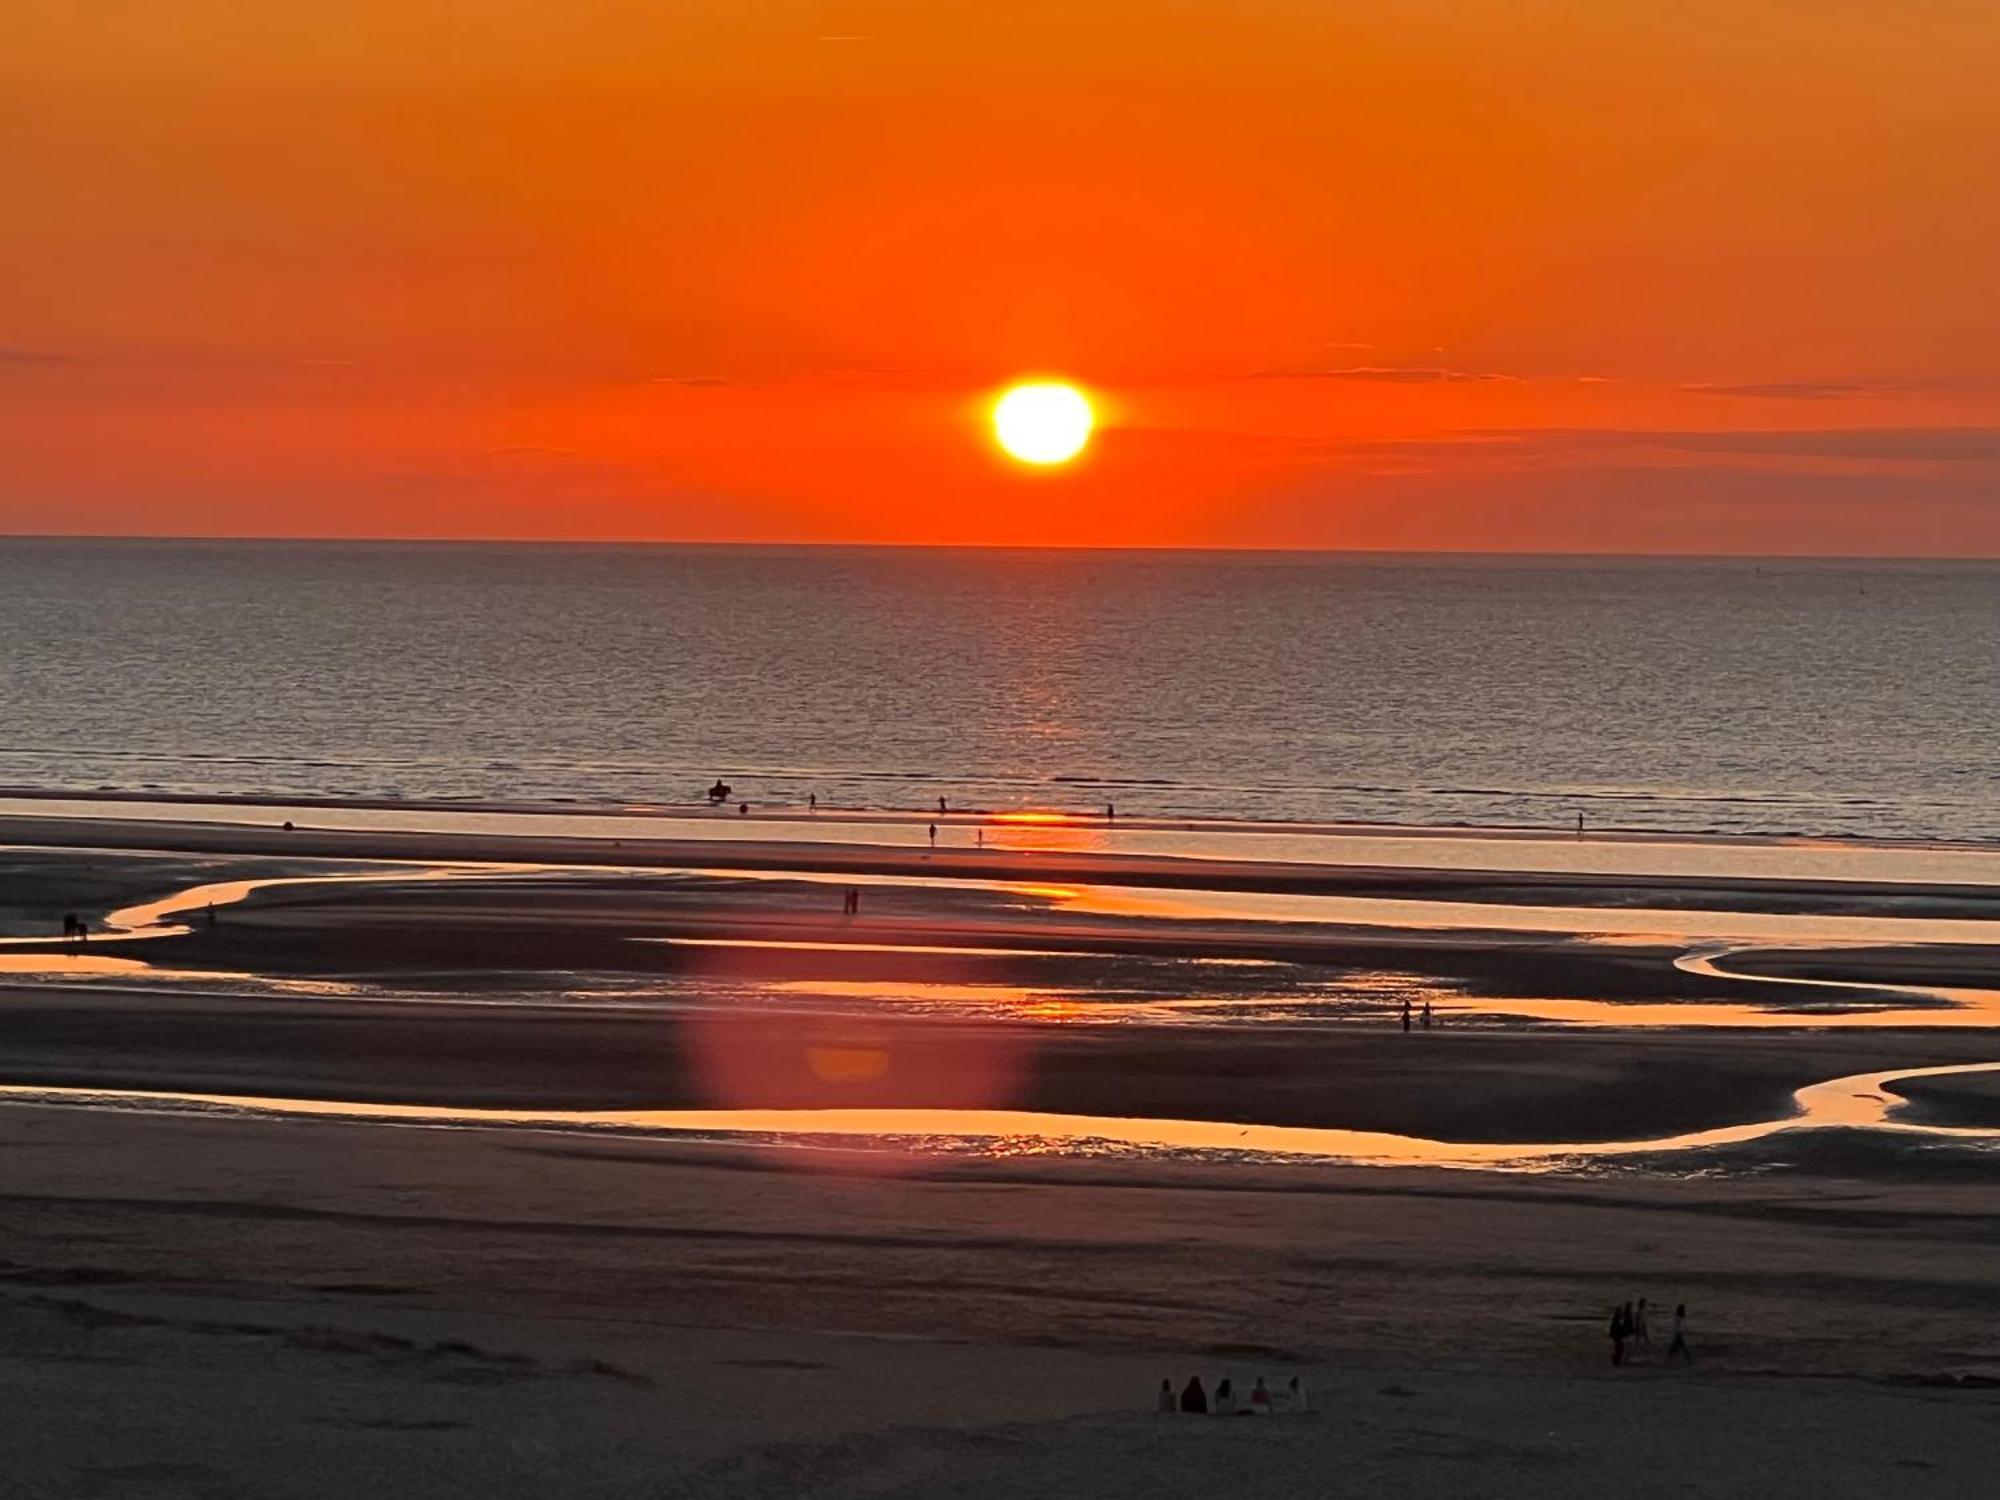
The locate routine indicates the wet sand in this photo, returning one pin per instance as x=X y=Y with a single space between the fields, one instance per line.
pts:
x=1938 y=899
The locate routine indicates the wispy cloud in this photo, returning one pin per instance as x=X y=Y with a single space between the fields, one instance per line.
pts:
x=1894 y=444
x=1390 y=374
x=1799 y=390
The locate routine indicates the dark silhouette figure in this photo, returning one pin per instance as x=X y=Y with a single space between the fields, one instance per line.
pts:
x=1427 y=1015
x=1225 y=1399
x=940 y=807
x=1621 y=1330
x=1641 y=1339
x=211 y=913
x=288 y=825
x=70 y=925
x=719 y=792
x=742 y=807
x=934 y=835
x=1166 y=1401
x=812 y=802
x=1679 y=1343
x=1406 y=1017
x=1579 y=825
x=1193 y=1397
x=1110 y=811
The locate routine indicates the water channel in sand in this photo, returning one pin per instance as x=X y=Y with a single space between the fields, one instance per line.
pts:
x=1859 y=1101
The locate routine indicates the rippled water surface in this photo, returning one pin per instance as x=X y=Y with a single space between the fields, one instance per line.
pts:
x=1831 y=698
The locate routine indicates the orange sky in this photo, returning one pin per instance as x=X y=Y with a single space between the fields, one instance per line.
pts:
x=1484 y=274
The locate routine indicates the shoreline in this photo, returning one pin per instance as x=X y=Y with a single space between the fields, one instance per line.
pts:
x=697 y=810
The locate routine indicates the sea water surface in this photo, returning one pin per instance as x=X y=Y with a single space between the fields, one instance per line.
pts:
x=1824 y=698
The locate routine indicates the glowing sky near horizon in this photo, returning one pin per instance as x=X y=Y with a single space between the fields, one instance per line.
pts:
x=1521 y=275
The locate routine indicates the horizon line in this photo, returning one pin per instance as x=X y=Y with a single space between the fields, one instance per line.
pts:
x=239 y=539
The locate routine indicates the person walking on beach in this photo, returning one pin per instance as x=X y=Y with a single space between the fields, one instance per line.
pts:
x=1678 y=1344
x=1193 y=1397
x=812 y=802
x=1641 y=1339
x=1621 y=1329
x=1406 y=1017
x=1225 y=1399
x=1166 y=1401
x=940 y=807
x=1579 y=825
x=934 y=835
x=1110 y=812
x=1427 y=1015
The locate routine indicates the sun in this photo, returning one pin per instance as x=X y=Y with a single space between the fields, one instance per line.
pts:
x=1043 y=422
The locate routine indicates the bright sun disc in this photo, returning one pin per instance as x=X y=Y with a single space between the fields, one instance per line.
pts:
x=1044 y=423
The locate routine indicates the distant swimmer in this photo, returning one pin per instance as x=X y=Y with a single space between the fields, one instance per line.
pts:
x=719 y=792
x=742 y=807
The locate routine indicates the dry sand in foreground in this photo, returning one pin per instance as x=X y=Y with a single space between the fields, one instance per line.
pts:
x=207 y=1307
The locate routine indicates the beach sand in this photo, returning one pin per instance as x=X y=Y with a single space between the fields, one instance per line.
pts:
x=217 y=1304
x=238 y=1307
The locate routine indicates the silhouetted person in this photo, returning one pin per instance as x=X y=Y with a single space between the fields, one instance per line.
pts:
x=1166 y=1401
x=1679 y=1343
x=1641 y=1338
x=1406 y=1017
x=82 y=932
x=719 y=792
x=1260 y=1398
x=940 y=807
x=1300 y=1400
x=211 y=913
x=1427 y=1015
x=1621 y=1330
x=934 y=835
x=1110 y=811
x=1225 y=1399
x=1193 y=1397
x=979 y=834
x=1579 y=825
x=812 y=802
x=69 y=927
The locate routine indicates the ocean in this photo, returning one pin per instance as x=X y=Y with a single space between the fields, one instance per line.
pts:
x=1700 y=696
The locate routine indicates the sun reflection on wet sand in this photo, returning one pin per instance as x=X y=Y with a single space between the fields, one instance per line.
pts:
x=1859 y=1101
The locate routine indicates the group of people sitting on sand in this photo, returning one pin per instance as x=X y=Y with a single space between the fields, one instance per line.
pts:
x=1262 y=1401
x=1628 y=1322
